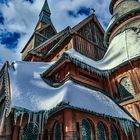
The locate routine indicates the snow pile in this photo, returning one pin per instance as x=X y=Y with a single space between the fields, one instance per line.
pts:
x=29 y=91
x=123 y=48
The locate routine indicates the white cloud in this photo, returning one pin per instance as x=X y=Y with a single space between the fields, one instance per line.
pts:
x=61 y=18
x=21 y=16
x=7 y=54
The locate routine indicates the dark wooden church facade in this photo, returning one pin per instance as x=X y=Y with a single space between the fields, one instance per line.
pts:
x=121 y=83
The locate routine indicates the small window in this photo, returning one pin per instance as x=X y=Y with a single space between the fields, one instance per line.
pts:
x=114 y=133
x=56 y=131
x=86 y=130
x=126 y=88
x=101 y=132
x=30 y=132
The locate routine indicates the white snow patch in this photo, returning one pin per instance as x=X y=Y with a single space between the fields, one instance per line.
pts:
x=29 y=91
x=123 y=48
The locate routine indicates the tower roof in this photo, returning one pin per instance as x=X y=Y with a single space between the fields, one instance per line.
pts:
x=114 y=3
x=123 y=10
x=46 y=8
x=45 y=14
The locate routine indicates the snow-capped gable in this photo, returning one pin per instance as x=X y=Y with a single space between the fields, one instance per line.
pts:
x=123 y=48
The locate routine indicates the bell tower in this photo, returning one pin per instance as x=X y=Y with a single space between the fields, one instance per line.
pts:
x=125 y=14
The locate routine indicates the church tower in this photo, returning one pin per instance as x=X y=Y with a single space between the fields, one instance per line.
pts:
x=125 y=14
x=125 y=25
x=44 y=30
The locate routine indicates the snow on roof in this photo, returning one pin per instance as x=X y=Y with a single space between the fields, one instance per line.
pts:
x=123 y=47
x=29 y=91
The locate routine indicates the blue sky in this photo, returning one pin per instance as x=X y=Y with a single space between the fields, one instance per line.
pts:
x=19 y=17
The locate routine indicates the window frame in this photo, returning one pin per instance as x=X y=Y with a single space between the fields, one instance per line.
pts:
x=91 y=130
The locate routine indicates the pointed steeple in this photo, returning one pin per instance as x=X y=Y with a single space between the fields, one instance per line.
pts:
x=45 y=14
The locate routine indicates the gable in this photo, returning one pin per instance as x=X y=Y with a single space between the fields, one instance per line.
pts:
x=91 y=29
x=38 y=39
x=48 y=31
x=88 y=31
x=43 y=35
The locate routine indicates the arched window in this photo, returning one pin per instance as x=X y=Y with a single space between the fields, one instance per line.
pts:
x=56 y=131
x=114 y=133
x=101 y=132
x=30 y=132
x=86 y=130
x=126 y=87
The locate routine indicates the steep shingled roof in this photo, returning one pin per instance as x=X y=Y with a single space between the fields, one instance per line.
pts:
x=45 y=14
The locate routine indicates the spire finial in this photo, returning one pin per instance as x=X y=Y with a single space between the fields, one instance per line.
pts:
x=45 y=7
x=93 y=10
x=45 y=13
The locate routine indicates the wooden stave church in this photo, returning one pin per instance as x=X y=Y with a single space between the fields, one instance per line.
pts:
x=42 y=47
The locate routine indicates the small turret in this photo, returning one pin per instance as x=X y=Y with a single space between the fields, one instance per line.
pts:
x=124 y=13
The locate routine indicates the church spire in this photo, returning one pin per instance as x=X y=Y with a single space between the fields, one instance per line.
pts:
x=45 y=14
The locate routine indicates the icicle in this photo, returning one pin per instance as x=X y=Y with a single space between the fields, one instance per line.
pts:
x=88 y=68
x=40 y=121
x=22 y=113
x=132 y=132
x=46 y=115
x=124 y=127
x=29 y=117
x=2 y=121
x=15 y=117
x=34 y=117
x=127 y=126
